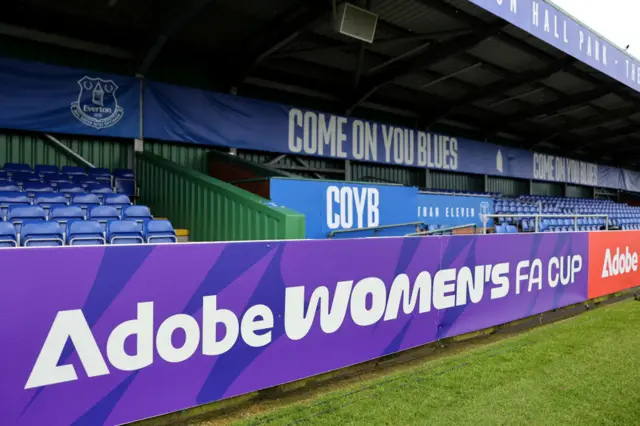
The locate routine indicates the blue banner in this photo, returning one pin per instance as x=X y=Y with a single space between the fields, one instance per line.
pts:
x=452 y=210
x=192 y=115
x=331 y=206
x=49 y=98
x=547 y=23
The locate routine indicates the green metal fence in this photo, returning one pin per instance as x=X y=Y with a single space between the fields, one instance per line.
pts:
x=212 y=210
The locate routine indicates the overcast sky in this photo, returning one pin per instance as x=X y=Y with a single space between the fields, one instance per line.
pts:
x=616 y=20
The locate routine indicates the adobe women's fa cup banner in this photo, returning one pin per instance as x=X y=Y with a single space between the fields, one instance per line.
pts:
x=126 y=333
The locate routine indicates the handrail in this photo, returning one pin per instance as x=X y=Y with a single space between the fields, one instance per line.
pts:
x=538 y=216
x=451 y=228
x=455 y=194
x=69 y=151
x=375 y=229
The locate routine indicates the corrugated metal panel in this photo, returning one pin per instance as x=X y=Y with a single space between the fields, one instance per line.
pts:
x=547 y=188
x=578 y=191
x=32 y=149
x=508 y=187
x=456 y=181
x=211 y=209
x=382 y=173
x=187 y=155
x=331 y=169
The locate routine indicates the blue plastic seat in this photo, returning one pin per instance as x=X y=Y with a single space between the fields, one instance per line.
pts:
x=62 y=215
x=159 y=231
x=8 y=235
x=43 y=169
x=83 y=180
x=85 y=201
x=16 y=214
x=41 y=234
x=55 y=179
x=9 y=186
x=99 y=188
x=73 y=170
x=138 y=213
x=70 y=188
x=21 y=177
x=124 y=232
x=16 y=167
x=100 y=174
x=12 y=198
x=104 y=214
x=124 y=181
x=512 y=229
x=32 y=187
x=117 y=200
x=501 y=229
x=47 y=200
x=85 y=233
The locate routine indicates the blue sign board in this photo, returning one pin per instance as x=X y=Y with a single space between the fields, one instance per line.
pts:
x=452 y=210
x=49 y=98
x=332 y=206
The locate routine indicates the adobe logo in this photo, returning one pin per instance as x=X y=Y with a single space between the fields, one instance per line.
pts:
x=619 y=263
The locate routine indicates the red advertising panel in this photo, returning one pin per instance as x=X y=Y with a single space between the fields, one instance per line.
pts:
x=613 y=262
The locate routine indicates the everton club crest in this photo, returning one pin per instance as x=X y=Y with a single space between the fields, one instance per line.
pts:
x=97 y=105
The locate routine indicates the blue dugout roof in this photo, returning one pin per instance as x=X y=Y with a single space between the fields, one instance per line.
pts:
x=515 y=72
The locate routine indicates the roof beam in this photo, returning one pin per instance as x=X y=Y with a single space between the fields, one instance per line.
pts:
x=547 y=109
x=504 y=85
x=284 y=29
x=435 y=53
x=591 y=122
x=63 y=41
x=174 y=25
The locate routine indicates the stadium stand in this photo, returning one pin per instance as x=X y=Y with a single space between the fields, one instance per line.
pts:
x=45 y=206
x=620 y=215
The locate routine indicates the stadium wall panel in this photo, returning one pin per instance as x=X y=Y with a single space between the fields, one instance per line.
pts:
x=194 y=157
x=507 y=187
x=577 y=191
x=388 y=174
x=328 y=168
x=549 y=189
x=212 y=210
x=30 y=148
x=456 y=181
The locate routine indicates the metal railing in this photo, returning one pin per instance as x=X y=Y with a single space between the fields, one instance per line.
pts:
x=375 y=229
x=441 y=230
x=537 y=217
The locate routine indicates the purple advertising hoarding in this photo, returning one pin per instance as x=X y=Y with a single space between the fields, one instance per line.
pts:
x=110 y=335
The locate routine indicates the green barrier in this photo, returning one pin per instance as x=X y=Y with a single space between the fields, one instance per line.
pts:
x=212 y=210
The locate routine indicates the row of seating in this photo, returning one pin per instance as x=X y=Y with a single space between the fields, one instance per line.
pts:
x=32 y=188
x=17 y=214
x=512 y=229
x=87 y=232
x=122 y=180
x=49 y=200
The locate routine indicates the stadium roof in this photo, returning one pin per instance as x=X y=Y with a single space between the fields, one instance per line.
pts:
x=446 y=65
